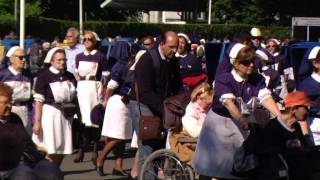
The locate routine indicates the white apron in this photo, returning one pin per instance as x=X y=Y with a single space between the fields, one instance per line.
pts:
x=315 y=130
x=56 y=132
x=21 y=93
x=117 y=122
x=89 y=91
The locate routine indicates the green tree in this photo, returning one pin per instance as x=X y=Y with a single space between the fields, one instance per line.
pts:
x=264 y=12
x=32 y=8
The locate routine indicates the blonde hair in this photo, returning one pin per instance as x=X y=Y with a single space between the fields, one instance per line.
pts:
x=202 y=91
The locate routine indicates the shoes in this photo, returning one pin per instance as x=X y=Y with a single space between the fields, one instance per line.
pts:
x=100 y=170
x=79 y=157
x=119 y=173
x=130 y=177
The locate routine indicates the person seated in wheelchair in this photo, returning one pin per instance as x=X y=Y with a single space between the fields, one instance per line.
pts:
x=192 y=121
x=284 y=136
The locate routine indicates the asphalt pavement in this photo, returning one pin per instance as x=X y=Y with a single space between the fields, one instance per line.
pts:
x=86 y=171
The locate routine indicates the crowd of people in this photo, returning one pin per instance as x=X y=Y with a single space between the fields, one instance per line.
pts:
x=71 y=95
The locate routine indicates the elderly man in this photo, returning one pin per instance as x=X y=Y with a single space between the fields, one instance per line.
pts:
x=17 y=79
x=14 y=142
x=155 y=83
x=74 y=48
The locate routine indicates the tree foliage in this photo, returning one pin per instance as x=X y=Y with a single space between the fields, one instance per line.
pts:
x=264 y=12
x=32 y=7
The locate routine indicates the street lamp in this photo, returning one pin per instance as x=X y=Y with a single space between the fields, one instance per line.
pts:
x=22 y=23
x=80 y=17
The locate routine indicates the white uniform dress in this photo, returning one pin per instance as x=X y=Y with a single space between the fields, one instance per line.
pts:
x=117 y=122
x=54 y=89
x=90 y=67
x=21 y=85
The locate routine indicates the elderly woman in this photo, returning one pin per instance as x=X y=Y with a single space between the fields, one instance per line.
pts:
x=15 y=141
x=190 y=67
x=311 y=86
x=91 y=69
x=18 y=80
x=53 y=89
x=225 y=127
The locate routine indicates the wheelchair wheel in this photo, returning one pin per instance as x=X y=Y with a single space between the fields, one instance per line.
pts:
x=163 y=165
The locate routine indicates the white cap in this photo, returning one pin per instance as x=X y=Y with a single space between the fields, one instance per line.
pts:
x=202 y=41
x=12 y=50
x=186 y=37
x=50 y=54
x=255 y=32
x=262 y=55
x=314 y=52
x=275 y=41
x=96 y=36
x=234 y=51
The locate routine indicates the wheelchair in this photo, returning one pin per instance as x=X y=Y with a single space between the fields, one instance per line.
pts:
x=164 y=164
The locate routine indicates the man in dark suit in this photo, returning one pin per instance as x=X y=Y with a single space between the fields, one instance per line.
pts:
x=157 y=77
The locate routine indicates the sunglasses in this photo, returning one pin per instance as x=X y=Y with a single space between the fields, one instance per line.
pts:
x=62 y=59
x=246 y=62
x=303 y=106
x=147 y=44
x=272 y=46
x=87 y=39
x=258 y=38
x=20 y=57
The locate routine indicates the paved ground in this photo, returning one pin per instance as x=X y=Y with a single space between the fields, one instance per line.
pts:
x=86 y=171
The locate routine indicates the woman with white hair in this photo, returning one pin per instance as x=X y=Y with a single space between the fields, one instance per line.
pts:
x=20 y=82
x=53 y=89
x=226 y=125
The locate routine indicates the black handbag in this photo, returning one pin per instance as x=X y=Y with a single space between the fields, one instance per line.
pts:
x=245 y=163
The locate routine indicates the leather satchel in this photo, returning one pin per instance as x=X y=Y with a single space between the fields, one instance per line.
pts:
x=150 y=127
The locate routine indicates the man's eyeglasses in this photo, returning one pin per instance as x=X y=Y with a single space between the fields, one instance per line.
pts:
x=246 y=62
x=20 y=57
x=68 y=37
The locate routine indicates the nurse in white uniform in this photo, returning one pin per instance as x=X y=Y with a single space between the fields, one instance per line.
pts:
x=16 y=78
x=54 y=88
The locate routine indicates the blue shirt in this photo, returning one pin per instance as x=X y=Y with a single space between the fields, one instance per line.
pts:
x=71 y=54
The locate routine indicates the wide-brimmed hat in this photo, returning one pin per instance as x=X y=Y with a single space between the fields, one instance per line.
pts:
x=297 y=98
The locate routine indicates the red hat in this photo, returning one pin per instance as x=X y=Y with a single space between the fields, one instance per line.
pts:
x=297 y=98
